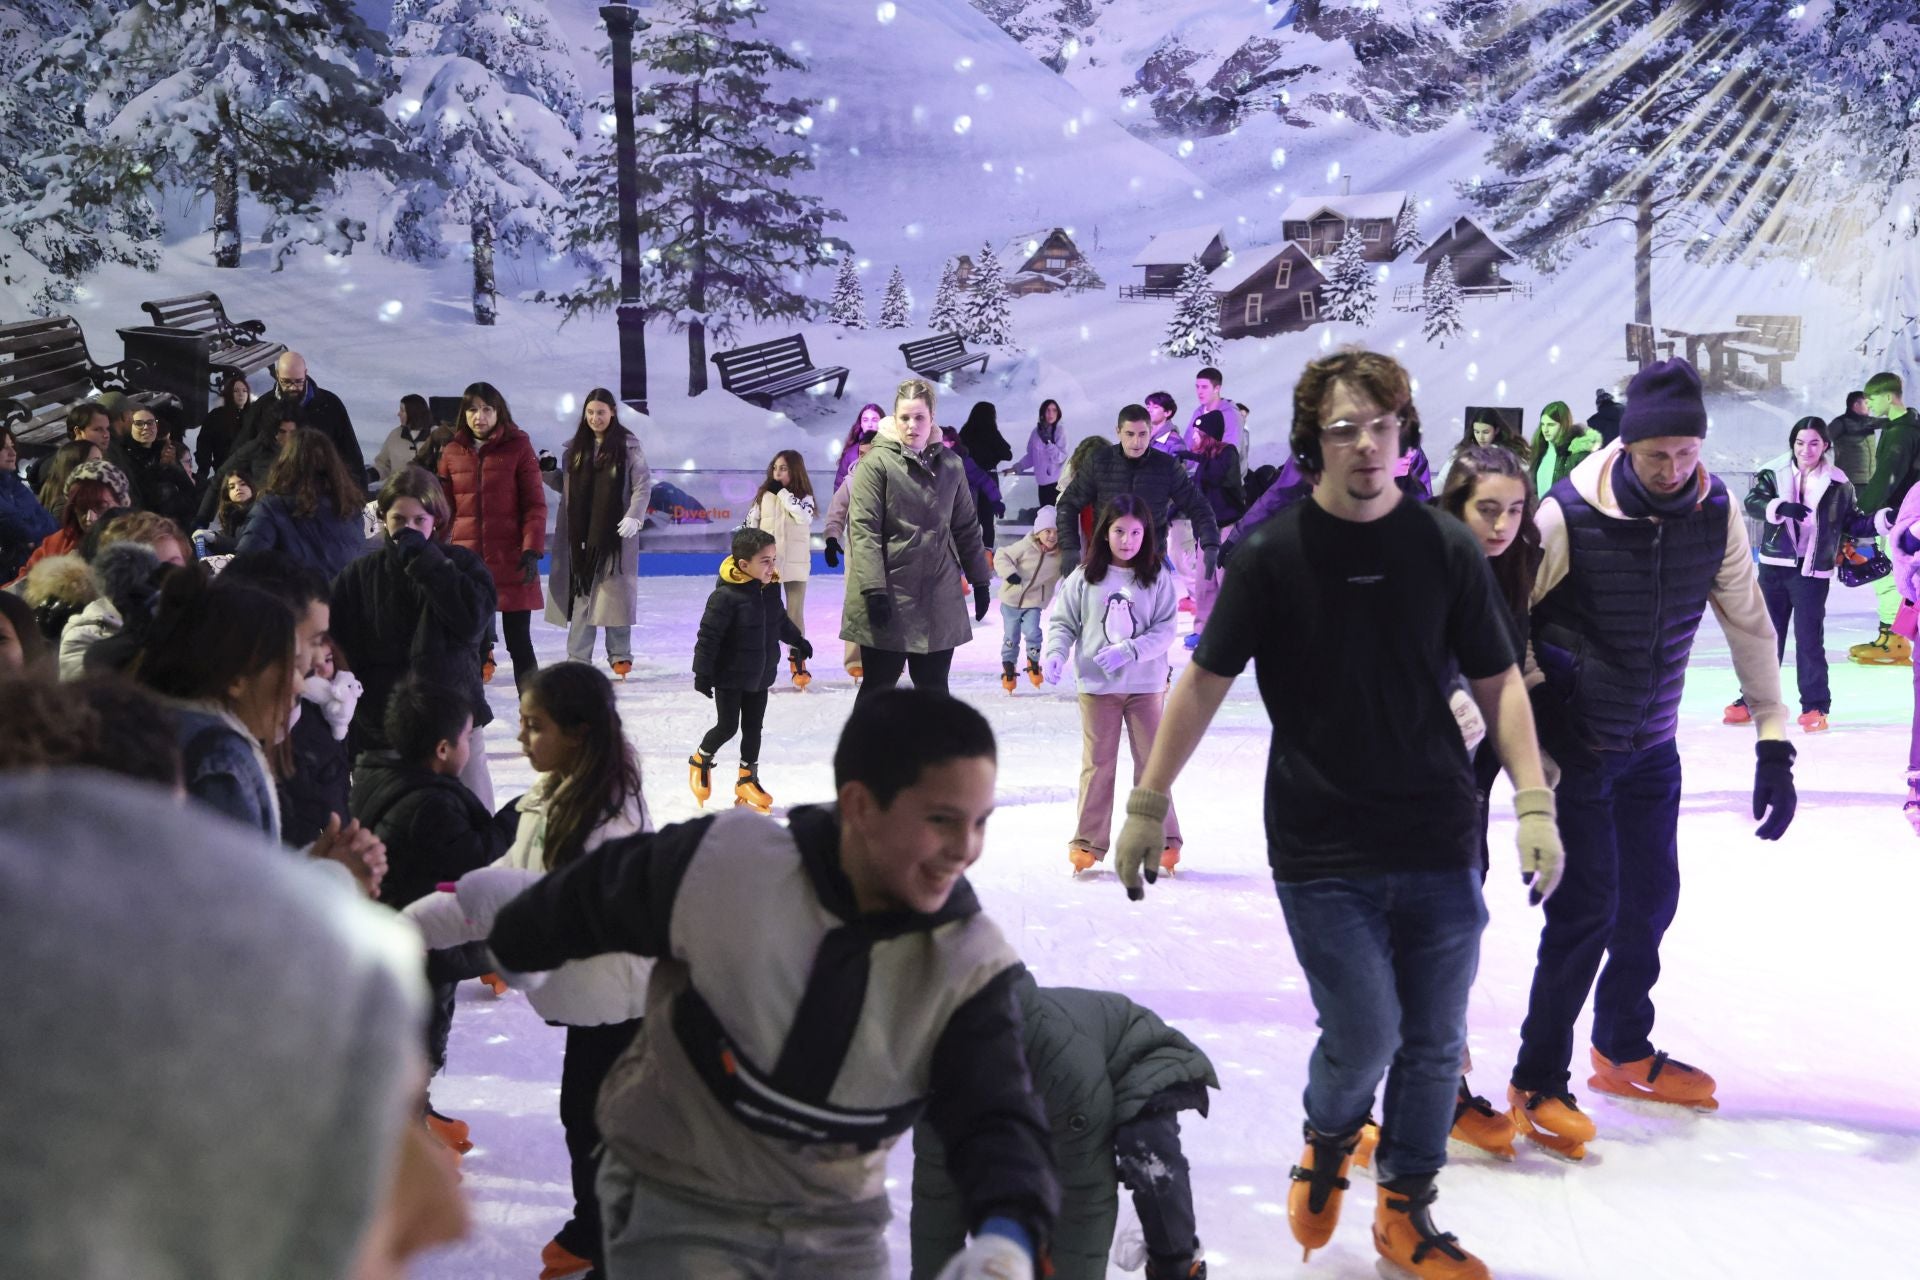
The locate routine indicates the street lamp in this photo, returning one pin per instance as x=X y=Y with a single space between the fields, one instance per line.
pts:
x=631 y=316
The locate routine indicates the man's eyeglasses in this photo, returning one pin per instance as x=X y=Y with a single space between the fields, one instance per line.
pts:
x=1345 y=431
x=291 y=384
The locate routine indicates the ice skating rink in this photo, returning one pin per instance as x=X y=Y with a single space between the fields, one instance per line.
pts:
x=1788 y=975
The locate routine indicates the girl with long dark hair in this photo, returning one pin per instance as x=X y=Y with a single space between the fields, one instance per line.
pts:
x=981 y=441
x=499 y=513
x=587 y=792
x=220 y=430
x=309 y=507
x=1487 y=489
x=1117 y=613
x=865 y=423
x=1046 y=453
x=604 y=485
x=784 y=506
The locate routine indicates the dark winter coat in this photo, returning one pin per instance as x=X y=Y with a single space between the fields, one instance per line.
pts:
x=326 y=541
x=24 y=524
x=499 y=507
x=429 y=614
x=221 y=433
x=433 y=827
x=1606 y=419
x=1097 y=1059
x=1853 y=445
x=1896 y=463
x=1218 y=479
x=319 y=784
x=1835 y=516
x=1157 y=479
x=317 y=408
x=741 y=632
x=252 y=458
x=912 y=533
x=163 y=488
x=1614 y=635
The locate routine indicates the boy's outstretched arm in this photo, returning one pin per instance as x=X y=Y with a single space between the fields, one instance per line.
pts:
x=618 y=898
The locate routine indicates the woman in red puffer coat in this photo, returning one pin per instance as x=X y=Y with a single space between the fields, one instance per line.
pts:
x=492 y=478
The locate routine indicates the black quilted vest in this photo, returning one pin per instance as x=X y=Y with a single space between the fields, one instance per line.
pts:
x=1614 y=635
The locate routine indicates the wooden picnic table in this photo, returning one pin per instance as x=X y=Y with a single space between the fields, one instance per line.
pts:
x=1714 y=335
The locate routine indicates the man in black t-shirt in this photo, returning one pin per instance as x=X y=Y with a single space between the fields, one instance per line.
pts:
x=1356 y=608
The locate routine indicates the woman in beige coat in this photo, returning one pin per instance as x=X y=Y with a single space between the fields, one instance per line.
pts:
x=604 y=485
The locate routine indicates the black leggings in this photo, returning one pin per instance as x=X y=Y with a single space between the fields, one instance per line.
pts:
x=885 y=666
x=1049 y=495
x=590 y=1055
x=1147 y=1150
x=518 y=624
x=739 y=710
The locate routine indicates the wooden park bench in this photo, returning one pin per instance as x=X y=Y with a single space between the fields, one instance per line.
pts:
x=941 y=354
x=45 y=369
x=1776 y=340
x=238 y=345
x=767 y=369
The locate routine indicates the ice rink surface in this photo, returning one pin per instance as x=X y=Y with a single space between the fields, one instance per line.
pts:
x=1787 y=975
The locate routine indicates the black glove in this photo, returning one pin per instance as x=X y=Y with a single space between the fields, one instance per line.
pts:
x=999 y=508
x=879 y=611
x=529 y=567
x=1773 y=789
x=1226 y=549
x=802 y=648
x=775 y=486
x=1013 y=579
x=1212 y=555
x=982 y=601
x=1792 y=510
x=833 y=553
x=702 y=686
x=409 y=543
x=548 y=462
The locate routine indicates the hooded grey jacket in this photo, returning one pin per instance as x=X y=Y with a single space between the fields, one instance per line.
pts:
x=166 y=1004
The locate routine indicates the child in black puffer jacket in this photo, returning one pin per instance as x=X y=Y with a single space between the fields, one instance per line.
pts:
x=735 y=661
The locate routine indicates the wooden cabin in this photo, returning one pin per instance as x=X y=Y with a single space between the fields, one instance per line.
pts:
x=1166 y=257
x=1320 y=223
x=1039 y=262
x=1276 y=289
x=1480 y=262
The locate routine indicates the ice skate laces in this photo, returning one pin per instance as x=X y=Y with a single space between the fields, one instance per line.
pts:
x=1416 y=1206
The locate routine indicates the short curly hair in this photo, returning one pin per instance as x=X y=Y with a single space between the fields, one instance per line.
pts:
x=1381 y=377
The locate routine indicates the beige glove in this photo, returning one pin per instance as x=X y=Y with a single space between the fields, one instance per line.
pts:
x=1141 y=840
x=1541 y=858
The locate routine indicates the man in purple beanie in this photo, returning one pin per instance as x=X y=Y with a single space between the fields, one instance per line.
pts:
x=1637 y=542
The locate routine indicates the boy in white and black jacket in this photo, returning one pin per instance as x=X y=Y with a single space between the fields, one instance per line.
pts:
x=753 y=1114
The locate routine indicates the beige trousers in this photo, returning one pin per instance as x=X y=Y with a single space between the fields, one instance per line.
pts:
x=1101 y=717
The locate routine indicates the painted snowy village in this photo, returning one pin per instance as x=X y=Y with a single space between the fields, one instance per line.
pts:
x=1081 y=202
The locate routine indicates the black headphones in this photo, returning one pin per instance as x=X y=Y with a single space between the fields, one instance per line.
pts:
x=1306 y=443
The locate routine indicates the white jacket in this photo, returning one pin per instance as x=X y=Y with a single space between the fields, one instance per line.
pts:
x=790 y=521
x=84 y=630
x=1088 y=616
x=581 y=993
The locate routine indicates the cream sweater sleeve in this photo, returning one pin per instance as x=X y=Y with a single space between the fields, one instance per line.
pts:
x=1742 y=612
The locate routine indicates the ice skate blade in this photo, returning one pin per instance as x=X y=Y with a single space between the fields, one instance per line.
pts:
x=1627 y=1093
x=1461 y=1147
x=1558 y=1148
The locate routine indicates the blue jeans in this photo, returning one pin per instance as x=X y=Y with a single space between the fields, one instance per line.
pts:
x=1018 y=623
x=1616 y=899
x=1389 y=960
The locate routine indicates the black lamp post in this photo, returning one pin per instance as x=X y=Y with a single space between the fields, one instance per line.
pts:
x=622 y=21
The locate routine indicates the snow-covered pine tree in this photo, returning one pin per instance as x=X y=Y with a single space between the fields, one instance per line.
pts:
x=213 y=95
x=729 y=236
x=945 y=316
x=896 y=309
x=48 y=246
x=1194 y=330
x=1406 y=228
x=1352 y=290
x=1441 y=319
x=1082 y=278
x=849 y=306
x=1680 y=121
x=986 y=313
x=488 y=106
